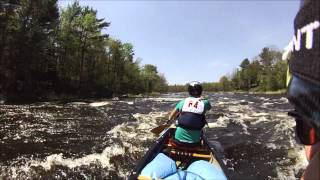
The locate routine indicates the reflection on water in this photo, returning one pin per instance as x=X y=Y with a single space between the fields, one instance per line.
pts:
x=104 y=139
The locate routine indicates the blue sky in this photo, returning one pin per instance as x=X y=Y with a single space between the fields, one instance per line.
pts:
x=197 y=40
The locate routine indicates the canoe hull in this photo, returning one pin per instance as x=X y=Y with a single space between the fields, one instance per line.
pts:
x=183 y=156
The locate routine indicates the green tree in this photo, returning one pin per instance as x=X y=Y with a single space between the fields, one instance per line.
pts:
x=265 y=73
x=149 y=73
x=225 y=83
x=43 y=53
x=153 y=81
x=266 y=57
x=281 y=74
x=27 y=50
x=245 y=63
x=253 y=71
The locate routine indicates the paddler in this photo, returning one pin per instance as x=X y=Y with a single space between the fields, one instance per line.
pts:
x=304 y=87
x=191 y=116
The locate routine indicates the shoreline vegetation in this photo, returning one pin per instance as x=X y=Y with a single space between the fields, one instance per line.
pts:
x=266 y=73
x=49 y=54
x=68 y=99
x=281 y=91
x=46 y=53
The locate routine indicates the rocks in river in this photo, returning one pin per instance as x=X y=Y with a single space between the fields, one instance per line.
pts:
x=243 y=102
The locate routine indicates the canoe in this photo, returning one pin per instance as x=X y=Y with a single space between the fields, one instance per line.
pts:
x=181 y=155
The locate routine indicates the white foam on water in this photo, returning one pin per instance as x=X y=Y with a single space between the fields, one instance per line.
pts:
x=27 y=113
x=10 y=113
x=43 y=115
x=243 y=124
x=271 y=145
x=264 y=99
x=221 y=103
x=14 y=170
x=243 y=116
x=131 y=132
x=77 y=103
x=282 y=130
x=284 y=100
x=145 y=122
x=16 y=137
x=267 y=104
x=99 y=104
x=259 y=114
x=260 y=120
x=234 y=108
x=239 y=114
x=103 y=159
x=130 y=102
x=128 y=133
x=282 y=115
x=161 y=99
x=290 y=172
x=222 y=121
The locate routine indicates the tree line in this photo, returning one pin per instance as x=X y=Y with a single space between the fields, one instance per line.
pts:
x=44 y=51
x=265 y=72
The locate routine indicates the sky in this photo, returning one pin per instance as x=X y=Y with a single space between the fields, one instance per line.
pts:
x=197 y=40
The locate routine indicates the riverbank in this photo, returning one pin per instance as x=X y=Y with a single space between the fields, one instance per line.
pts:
x=278 y=92
x=281 y=91
x=71 y=98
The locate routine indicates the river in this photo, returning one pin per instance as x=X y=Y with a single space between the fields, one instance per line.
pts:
x=103 y=139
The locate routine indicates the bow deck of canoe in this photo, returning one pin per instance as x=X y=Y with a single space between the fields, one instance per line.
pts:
x=182 y=156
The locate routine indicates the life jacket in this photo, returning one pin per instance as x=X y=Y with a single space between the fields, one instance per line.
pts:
x=192 y=114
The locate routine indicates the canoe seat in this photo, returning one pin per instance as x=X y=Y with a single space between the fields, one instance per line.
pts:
x=184 y=147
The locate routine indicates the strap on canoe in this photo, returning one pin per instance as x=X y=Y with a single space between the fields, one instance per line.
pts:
x=205 y=156
x=141 y=177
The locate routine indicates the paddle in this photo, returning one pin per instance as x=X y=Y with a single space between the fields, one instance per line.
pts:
x=160 y=128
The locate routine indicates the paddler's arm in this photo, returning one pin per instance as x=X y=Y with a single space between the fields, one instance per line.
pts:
x=174 y=114
x=207 y=108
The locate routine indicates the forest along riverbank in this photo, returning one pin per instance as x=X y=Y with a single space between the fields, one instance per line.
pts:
x=104 y=139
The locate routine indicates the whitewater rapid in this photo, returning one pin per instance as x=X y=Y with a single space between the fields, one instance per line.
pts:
x=104 y=139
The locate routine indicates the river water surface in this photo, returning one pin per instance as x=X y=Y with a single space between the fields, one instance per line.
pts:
x=103 y=139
